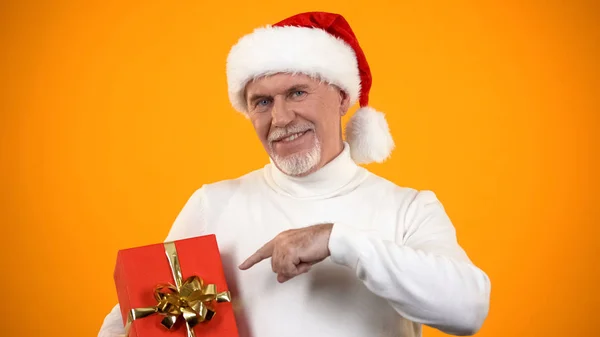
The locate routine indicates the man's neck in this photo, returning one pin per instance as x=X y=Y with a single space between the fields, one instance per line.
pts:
x=325 y=159
x=338 y=176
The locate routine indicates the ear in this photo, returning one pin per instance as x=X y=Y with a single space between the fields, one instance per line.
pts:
x=344 y=102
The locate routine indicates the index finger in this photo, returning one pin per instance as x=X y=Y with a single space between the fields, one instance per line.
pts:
x=263 y=253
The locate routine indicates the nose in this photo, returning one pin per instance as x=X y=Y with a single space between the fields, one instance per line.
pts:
x=281 y=113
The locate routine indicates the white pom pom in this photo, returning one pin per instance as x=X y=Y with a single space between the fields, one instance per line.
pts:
x=369 y=136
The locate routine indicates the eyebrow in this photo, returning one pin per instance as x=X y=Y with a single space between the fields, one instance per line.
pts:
x=256 y=97
x=297 y=87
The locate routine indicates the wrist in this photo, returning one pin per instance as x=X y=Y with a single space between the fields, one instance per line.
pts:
x=326 y=230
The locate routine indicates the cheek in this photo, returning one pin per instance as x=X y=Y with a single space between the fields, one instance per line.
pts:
x=321 y=112
x=325 y=116
x=261 y=126
x=311 y=111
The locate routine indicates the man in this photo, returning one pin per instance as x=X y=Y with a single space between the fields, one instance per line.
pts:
x=313 y=244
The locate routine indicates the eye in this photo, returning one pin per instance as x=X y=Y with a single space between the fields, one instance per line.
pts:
x=263 y=102
x=298 y=93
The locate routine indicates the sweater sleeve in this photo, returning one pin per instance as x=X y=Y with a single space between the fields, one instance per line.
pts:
x=423 y=273
x=189 y=222
x=191 y=219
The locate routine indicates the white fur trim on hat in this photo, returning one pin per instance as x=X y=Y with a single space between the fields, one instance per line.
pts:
x=288 y=49
x=369 y=137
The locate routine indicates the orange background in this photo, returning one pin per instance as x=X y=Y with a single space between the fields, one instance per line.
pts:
x=113 y=113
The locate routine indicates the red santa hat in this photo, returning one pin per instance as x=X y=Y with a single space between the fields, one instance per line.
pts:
x=321 y=45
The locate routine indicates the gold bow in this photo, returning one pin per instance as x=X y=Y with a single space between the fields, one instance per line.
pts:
x=192 y=299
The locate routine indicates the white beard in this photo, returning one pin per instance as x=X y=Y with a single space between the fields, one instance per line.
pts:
x=299 y=164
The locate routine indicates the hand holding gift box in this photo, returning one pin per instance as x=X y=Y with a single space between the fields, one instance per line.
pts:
x=174 y=289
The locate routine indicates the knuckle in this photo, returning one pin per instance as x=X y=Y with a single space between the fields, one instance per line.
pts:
x=276 y=266
x=289 y=251
x=290 y=269
x=287 y=235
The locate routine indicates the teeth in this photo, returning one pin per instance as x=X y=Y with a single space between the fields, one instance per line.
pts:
x=292 y=137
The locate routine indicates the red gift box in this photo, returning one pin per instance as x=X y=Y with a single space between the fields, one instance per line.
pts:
x=139 y=272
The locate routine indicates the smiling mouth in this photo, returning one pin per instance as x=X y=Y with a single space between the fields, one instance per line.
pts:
x=291 y=137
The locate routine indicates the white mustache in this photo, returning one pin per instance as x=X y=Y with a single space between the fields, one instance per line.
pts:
x=280 y=133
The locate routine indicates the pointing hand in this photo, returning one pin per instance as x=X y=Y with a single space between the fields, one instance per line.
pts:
x=294 y=251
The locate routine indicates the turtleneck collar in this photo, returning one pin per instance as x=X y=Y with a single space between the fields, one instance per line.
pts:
x=337 y=177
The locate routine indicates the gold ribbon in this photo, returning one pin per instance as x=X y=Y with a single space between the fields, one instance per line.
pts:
x=191 y=299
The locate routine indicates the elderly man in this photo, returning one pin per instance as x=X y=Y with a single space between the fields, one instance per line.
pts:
x=314 y=244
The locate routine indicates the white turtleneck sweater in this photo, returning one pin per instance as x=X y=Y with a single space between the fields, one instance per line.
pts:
x=395 y=262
